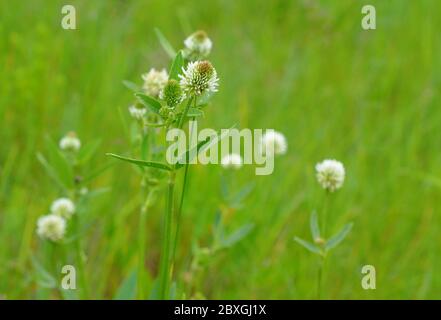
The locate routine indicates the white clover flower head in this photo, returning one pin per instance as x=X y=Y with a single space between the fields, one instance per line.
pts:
x=137 y=111
x=197 y=46
x=172 y=93
x=198 y=78
x=63 y=207
x=51 y=227
x=330 y=174
x=273 y=143
x=154 y=82
x=232 y=161
x=70 y=142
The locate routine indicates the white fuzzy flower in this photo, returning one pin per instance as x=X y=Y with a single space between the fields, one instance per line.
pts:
x=51 y=227
x=197 y=46
x=232 y=160
x=137 y=112
x=330 y=174
x=154 y=81
x=274 y=143
x=198 y=78
x=63 y=207
x=70 y=142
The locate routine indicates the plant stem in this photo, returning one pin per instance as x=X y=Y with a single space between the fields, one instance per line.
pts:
x=80 y=260
x=165 y=272
x=141 y=243
x=320 y=276
x=181 y=202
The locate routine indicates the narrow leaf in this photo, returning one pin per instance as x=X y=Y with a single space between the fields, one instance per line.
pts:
x=308 y=245
x=315 y=230
x=153 y=164
x=339 y=237
x=132 y=86
x=151 y=103
x=190 y=154
x=51 y=172
x=165 y=44
x=194 y=112
x=176 y=66
x=237 y=235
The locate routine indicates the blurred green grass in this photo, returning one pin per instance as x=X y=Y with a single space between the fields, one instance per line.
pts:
x=305 y=68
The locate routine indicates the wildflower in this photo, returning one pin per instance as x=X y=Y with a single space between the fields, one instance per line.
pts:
x=330 y=174
x=232 y=160
x=198 y=78
x=172 y=93
x=70 y=142
x=274 y=142
x=51 y=227
x=154 y=81
x=197 y=46
x=63 y=207
x=137 y=111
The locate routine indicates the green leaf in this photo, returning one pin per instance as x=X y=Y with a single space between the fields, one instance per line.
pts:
x=151 y=103
x=237 y=235
x=339 y=237
x=165 y=44
x=97 y=172
x=236 y=200
x=194 y=112
x=176 y=66
x=44 y=278
x=51 y=172
x=313 y=222
x=153 y=164
x=60 y=163
x=308 y=245
x=127 y=289
x=88 y=151
x=132 y=86
x=190 y=154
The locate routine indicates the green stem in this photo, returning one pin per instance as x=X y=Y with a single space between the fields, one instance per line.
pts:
x=181 y=202
x=165 y=272
x=80 y=259
x=141 y=244
x=325 y=213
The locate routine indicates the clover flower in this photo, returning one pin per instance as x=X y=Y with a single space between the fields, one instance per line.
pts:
x=137 y=111
x=70 y=142
x=51 y=227
x=330 y=174
x=197 y=46
x=63 y=207
x=199 y=77
x=273 y=143
x=172 y=93
x=154 y=81
x=232 y=161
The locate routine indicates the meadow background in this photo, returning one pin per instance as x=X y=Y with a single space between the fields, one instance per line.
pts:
x=306 y=68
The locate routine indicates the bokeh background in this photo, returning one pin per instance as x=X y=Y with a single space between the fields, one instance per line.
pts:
x=306 y=68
